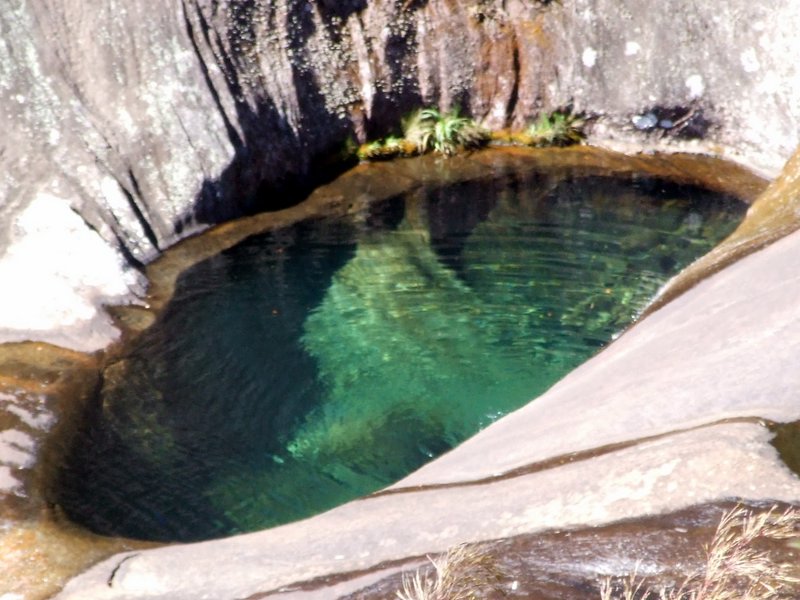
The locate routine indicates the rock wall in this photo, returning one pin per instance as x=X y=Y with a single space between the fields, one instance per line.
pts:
x=128 y=126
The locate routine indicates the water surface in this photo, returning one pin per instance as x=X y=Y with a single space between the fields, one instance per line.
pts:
x=311 y=365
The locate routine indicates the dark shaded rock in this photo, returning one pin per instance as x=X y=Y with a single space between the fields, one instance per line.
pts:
x=152 y=123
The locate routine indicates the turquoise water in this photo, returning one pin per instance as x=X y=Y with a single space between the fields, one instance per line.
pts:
x=315 y=364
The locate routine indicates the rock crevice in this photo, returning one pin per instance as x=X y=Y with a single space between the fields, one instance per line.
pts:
x=153 y=123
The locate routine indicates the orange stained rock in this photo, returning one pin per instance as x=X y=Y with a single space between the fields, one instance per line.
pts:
x=39 y=557
x=775 y=213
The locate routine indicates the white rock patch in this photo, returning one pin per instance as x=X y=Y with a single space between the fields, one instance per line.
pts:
x=16 y=448
x=64 y=271
x=589 y=57
x=632 y=48
x=696 y=86
x=749 y=60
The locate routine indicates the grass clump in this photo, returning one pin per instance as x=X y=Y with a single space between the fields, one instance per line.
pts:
x=386 y=148
x=428 y=130
x=559 y=128
x=465 y=572
x=735 y=569
x=431 y=131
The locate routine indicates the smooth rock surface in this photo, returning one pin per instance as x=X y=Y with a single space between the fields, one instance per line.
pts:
x=58 y=277
x=653 y=477
x=573 y=563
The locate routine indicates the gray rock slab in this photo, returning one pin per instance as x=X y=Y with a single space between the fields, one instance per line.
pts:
x=726 y=348
x=707 y=464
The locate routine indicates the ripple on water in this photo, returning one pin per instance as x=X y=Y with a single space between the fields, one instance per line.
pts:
x=312 y=365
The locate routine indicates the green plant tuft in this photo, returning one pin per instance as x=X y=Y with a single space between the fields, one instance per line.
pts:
x=559 y=128
x=431 y=131
x=387 y=148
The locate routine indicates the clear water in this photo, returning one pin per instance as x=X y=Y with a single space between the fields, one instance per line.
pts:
x=315 y=364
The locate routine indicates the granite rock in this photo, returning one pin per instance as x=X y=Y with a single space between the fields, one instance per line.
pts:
x=150 y=123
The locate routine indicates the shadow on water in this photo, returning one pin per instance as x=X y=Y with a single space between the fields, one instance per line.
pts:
x=308 y=366
x=189 y=396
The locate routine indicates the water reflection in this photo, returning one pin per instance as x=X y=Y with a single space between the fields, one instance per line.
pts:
x=309 y=366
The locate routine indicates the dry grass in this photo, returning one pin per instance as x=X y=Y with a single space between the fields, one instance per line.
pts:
x=463 y=573
x=734 y=569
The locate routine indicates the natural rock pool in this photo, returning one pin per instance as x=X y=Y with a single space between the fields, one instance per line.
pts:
x=320 y=362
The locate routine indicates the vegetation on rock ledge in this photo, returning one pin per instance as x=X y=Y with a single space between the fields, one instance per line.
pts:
x=428 y=130
x=556 y=129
